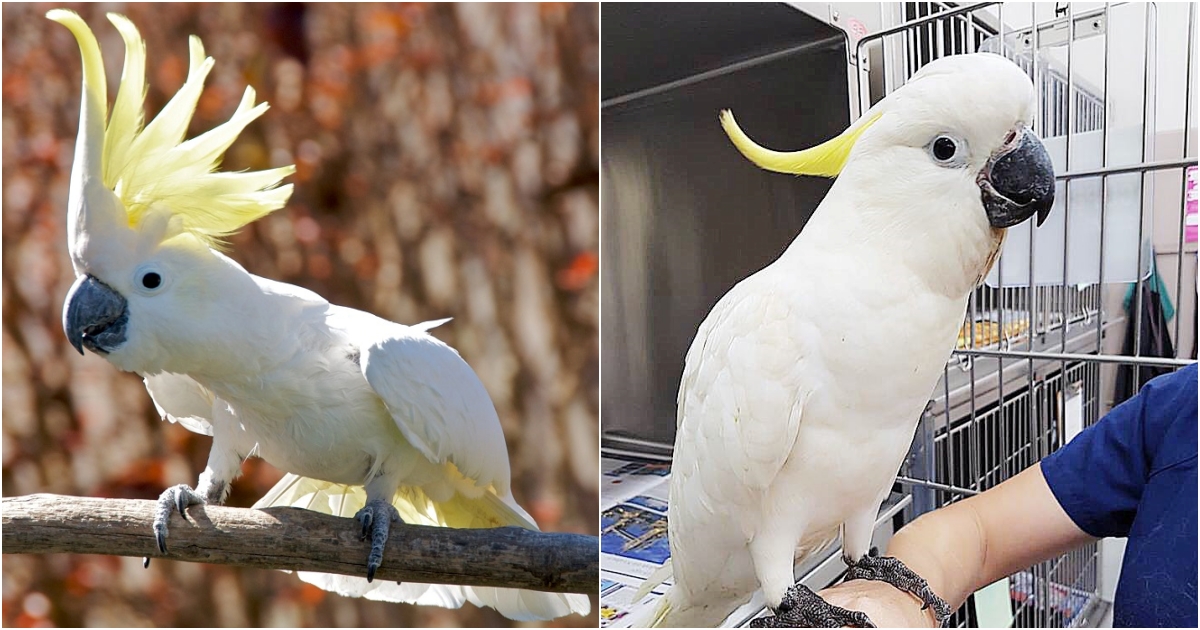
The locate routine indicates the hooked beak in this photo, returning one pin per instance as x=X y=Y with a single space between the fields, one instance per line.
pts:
x=1018 y=181
x=94 y=316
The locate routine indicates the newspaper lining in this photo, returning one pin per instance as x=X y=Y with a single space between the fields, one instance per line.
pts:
x=633 y=536
x=634 y=543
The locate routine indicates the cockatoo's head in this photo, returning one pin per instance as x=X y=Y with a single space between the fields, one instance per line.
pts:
x=146 y=209
x=960 y=128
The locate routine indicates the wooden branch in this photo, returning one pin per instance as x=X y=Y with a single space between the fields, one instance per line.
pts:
x=303 y=540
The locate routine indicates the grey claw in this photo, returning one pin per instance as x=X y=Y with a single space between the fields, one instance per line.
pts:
x=894 y=572
x=178 y=497
x=802 y=608
x=160 y=536
x=372 y=565
x=365 y=517
x=376 y=518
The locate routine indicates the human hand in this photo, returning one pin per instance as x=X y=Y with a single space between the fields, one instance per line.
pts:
x=886 y=605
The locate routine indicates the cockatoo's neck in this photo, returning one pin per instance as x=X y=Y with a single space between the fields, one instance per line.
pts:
x=944 y=248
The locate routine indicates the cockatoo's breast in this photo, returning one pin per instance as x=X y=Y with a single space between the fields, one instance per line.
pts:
x=311 y=414
x=307 y=406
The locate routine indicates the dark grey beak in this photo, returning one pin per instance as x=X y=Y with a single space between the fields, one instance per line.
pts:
x=1018 y=181
x=94 y=316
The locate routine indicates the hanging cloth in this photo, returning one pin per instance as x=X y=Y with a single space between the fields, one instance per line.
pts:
x=1155 y=340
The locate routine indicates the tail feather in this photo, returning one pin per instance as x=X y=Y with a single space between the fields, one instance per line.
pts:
x=660 y=575
x=443 y=595
x=675 y=609
x=655 y=616
x=416 y=508
x=522 y=605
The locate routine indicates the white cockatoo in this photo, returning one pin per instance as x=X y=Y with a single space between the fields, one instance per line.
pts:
x=804 y=385
x=370 y=418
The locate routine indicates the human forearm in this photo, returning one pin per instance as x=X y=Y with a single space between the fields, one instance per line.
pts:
x=947 y=548
x=967 y=545
x=972 y=543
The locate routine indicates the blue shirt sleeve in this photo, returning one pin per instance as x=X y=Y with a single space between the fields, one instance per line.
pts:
x=1100 y=476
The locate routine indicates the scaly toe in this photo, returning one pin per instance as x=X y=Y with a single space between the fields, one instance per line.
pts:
x=179 y=498
x=373 y=565
x=364 y=517
x=160 y=537
x=802 y=608
x=376 y=518
x=894 y=572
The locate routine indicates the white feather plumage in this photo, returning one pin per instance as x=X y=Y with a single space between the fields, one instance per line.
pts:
x=803 y=386
x=354 y=407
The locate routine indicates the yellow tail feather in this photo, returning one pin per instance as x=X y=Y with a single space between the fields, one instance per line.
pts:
x=416 y=508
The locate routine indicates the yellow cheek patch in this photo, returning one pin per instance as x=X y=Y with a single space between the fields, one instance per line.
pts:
x=824 y=160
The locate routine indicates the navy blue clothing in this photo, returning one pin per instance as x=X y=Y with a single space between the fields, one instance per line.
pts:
x=1133 y=474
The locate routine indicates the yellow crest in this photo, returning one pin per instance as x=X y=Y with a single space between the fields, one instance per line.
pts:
x=151 y=167
x=825 y=160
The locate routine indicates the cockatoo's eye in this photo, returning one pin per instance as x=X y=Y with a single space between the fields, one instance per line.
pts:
x=947 y=150
x=944 y=148
x=149 y=279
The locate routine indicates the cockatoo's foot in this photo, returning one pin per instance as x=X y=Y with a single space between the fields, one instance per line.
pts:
x=893 y=571
x=802 y=608
x=376 y=517
x=174 y=498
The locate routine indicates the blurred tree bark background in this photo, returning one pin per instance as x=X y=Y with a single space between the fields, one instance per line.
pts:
x=447 y=167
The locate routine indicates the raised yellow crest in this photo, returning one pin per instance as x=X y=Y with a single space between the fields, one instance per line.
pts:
x=151 y=167
x=824 y=160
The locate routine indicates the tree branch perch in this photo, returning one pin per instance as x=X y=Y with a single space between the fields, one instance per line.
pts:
x=303 y=540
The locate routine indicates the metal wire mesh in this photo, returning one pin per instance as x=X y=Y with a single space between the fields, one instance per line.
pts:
x=968 y=453
x=1030 y=351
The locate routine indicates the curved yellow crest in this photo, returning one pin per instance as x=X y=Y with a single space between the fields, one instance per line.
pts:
x=825 y=160
x=151 y=167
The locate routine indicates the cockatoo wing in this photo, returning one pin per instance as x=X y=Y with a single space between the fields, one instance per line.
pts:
x=741 y=402
x=180 y=399
x=443 y=410
x=742 y=393
x=438 y=402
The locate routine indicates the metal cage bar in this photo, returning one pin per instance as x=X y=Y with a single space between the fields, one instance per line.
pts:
x=1026 y=353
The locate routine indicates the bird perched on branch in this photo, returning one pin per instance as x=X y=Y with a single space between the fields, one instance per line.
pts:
x=803 y=386
x=370 y=418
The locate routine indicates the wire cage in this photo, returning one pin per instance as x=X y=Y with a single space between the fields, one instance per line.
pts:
x=1047 y=340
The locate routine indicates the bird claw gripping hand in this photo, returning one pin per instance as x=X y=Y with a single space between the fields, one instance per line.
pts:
x=802 y=608
x=891 y=570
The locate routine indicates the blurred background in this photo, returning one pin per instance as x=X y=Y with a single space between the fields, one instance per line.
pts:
x=446 y=167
